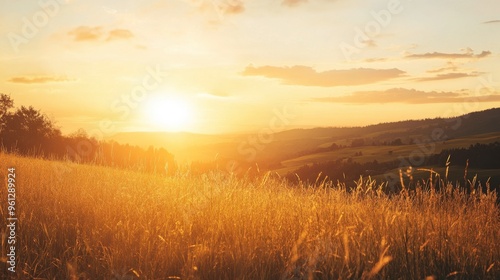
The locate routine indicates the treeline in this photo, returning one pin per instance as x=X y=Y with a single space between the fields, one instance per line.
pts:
x=26 y=131
x=482 y=156
x=340 y=170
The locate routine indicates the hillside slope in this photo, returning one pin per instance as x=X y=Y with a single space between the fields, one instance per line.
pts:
x=89 y=222
x=296 y=143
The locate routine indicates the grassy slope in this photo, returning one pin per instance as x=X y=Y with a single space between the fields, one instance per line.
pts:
x=100 y=223
x=381 y=153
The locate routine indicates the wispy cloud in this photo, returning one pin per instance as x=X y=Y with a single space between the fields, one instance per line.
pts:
x=39 y=79
x=215 y=97
x=375 y=59
x=370 y=43
x=447 y=76
x=307 y=76
x=233 y=7
x=222 y=7
x=407 y=96
x=97 y=33
x=293 y=3
x=117 y=34
x=492 y=21
x=449 y=67
x=86 y=33
x=468 y=53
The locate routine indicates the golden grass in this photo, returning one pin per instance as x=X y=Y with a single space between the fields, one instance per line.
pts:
x=89 y=222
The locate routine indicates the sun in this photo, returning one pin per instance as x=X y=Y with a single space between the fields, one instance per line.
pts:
x=169 y=113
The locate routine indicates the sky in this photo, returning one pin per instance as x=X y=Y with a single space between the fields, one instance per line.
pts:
x=223 y=66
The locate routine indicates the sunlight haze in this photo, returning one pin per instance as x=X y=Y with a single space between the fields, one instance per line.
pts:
x=227 y=66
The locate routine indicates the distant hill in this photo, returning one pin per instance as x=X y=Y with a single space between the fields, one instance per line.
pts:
x=185 y=146
x=315 y=142
x=466 y=125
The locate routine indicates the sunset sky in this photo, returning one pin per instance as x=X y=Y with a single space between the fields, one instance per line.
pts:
x=211 y=66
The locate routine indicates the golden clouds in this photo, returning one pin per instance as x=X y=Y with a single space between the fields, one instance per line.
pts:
x=468 y=53
x=97 y=33
x=39 y=79
x=306 y=76
x=447 y=76
x=408 y=96
x=222 y=7
x=86 y=33
x=117 y=34
x=292 y=3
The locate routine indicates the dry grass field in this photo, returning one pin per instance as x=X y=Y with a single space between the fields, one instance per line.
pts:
x=90 y=222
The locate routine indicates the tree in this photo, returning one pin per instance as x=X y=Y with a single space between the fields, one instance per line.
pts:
x=357 y=142
x=6 y=103
x=27 y=130
x=397 y=142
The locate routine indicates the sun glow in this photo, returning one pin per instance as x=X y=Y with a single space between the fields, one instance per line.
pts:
x=169 y=113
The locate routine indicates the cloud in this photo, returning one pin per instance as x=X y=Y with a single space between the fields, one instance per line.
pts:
x=492 y=21
x=306 y=76
x=450 y=66
x=292 y=3
x=215 y=97
x=407 y=96
x=370 y=43
x=468 y=53
x=232 y=7
x=447 y=76
x=86 y=33
x=222 y=7
x=39 y=79
x=117 y=34
x=375 y=59
x=97 y=33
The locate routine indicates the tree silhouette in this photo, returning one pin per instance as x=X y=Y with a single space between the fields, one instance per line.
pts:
x=27 y=130
x=6 y=103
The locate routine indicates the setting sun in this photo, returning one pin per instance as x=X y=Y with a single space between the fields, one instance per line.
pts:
x=250 y=139
x=168 y=113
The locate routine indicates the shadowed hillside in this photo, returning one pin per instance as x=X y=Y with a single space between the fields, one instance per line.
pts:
x=92 y=222
x=337 y=151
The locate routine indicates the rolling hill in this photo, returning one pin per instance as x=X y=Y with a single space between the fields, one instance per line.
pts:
x=292 y=148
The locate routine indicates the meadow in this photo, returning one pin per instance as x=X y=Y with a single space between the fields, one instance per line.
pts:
x=382 y=153
x=94 y=222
